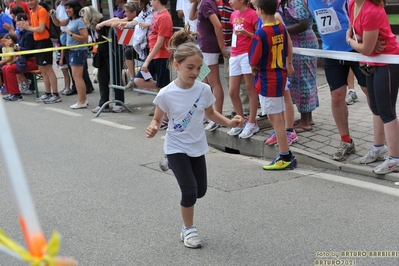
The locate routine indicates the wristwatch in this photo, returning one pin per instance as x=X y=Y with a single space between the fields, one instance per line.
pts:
x=71 y=34
x=348 y=41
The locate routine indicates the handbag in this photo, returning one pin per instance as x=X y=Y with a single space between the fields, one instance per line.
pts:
x=96 y=60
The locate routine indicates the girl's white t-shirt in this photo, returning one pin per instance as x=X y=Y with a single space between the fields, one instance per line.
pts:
x=185 y=109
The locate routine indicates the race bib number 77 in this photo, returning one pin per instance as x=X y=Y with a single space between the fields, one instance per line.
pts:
x=327 y=20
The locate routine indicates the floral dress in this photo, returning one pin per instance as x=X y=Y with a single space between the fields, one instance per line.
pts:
x=303 y=81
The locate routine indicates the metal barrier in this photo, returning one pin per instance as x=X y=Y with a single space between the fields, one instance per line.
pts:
x=117 y=65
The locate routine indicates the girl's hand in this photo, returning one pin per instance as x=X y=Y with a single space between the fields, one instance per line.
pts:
x=255 y=70
x=380 y=46
x=22 y=24
x=8 y=27
x=349 y=33
x=224 y=53
x=240 y=32
x=122 y=26
x=144 y=25
x=67 y=31
x=99 y=26
x=144 y=67
x=151 y=131
x=237 y=121
x=8 y=42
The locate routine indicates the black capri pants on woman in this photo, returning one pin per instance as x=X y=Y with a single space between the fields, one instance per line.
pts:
x=382 y=89
x=191 y=176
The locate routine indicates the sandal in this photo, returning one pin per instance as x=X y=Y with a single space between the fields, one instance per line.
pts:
x=190 y=238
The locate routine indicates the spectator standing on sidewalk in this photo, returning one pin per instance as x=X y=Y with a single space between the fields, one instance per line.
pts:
x=369 y=24
x=303 y=86
x=77 y=33
x=333 y=38
x=225 y=11
x=40 y=20
x=244 y=21
x=61 y=15
x=62 y=61
x=269 y=50
x=92 y=18
x=185 y=101
x=211 y=43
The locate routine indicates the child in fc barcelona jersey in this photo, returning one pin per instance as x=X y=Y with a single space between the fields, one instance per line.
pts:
x=268 y=51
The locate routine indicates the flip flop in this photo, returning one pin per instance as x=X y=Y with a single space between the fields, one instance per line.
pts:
x=299 y=129
x=296 y=122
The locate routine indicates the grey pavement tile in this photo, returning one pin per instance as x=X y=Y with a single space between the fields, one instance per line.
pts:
x=320 y=138
x=325 y=132
x=314 y=145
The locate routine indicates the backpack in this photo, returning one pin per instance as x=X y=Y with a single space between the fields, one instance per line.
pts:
x=55 y=31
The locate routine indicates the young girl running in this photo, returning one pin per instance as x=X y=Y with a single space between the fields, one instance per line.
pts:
x=244 y=21
x=185 y=101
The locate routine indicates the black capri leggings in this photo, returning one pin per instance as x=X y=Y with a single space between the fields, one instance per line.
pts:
x=382 y=88
x=191 y=176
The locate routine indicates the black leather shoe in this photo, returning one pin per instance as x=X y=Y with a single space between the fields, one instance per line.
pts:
x=71 y=92
x=90 y=90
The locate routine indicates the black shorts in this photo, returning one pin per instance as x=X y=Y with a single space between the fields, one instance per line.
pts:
x=44 y=59
x=131 y=54
x=159 y=71
x=337 y=73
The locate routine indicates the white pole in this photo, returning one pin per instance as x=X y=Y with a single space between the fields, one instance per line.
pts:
x=29 y=221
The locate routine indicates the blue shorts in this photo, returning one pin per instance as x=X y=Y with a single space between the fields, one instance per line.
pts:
x=77 y=57
x=159 y=71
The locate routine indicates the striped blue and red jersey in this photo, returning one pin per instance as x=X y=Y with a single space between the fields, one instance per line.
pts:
x=268 y=51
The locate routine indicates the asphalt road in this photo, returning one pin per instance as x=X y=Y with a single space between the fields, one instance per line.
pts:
x=97 y=182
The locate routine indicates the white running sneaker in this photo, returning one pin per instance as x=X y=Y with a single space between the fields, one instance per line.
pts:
x=249 y=130
x=118 y=109
x=190 y=238
x=374 y=154
x=234 y=131
x=389 y=165
x=212 y=126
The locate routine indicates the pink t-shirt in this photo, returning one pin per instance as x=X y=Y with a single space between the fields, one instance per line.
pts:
x=245 y=20
x=372 y=17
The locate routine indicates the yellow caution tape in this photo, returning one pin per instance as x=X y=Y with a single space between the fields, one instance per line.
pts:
x=36 y=51
x=50 y=251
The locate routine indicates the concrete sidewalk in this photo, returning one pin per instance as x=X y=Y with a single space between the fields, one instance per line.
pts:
x=314 y=147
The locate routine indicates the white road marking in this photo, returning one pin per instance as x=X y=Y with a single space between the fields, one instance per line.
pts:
x=111 y=124
x=329 y=177
x=30 y=104
x=62 y=111
x=358 y=183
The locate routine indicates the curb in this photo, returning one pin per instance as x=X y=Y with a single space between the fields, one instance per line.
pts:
x=255 y=147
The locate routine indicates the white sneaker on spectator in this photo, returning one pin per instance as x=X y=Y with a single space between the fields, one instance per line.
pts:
x=389 y=165
x=118 y=109
x=374 y=154
x=249 y=130
x=43 y=98
x=212 y=126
